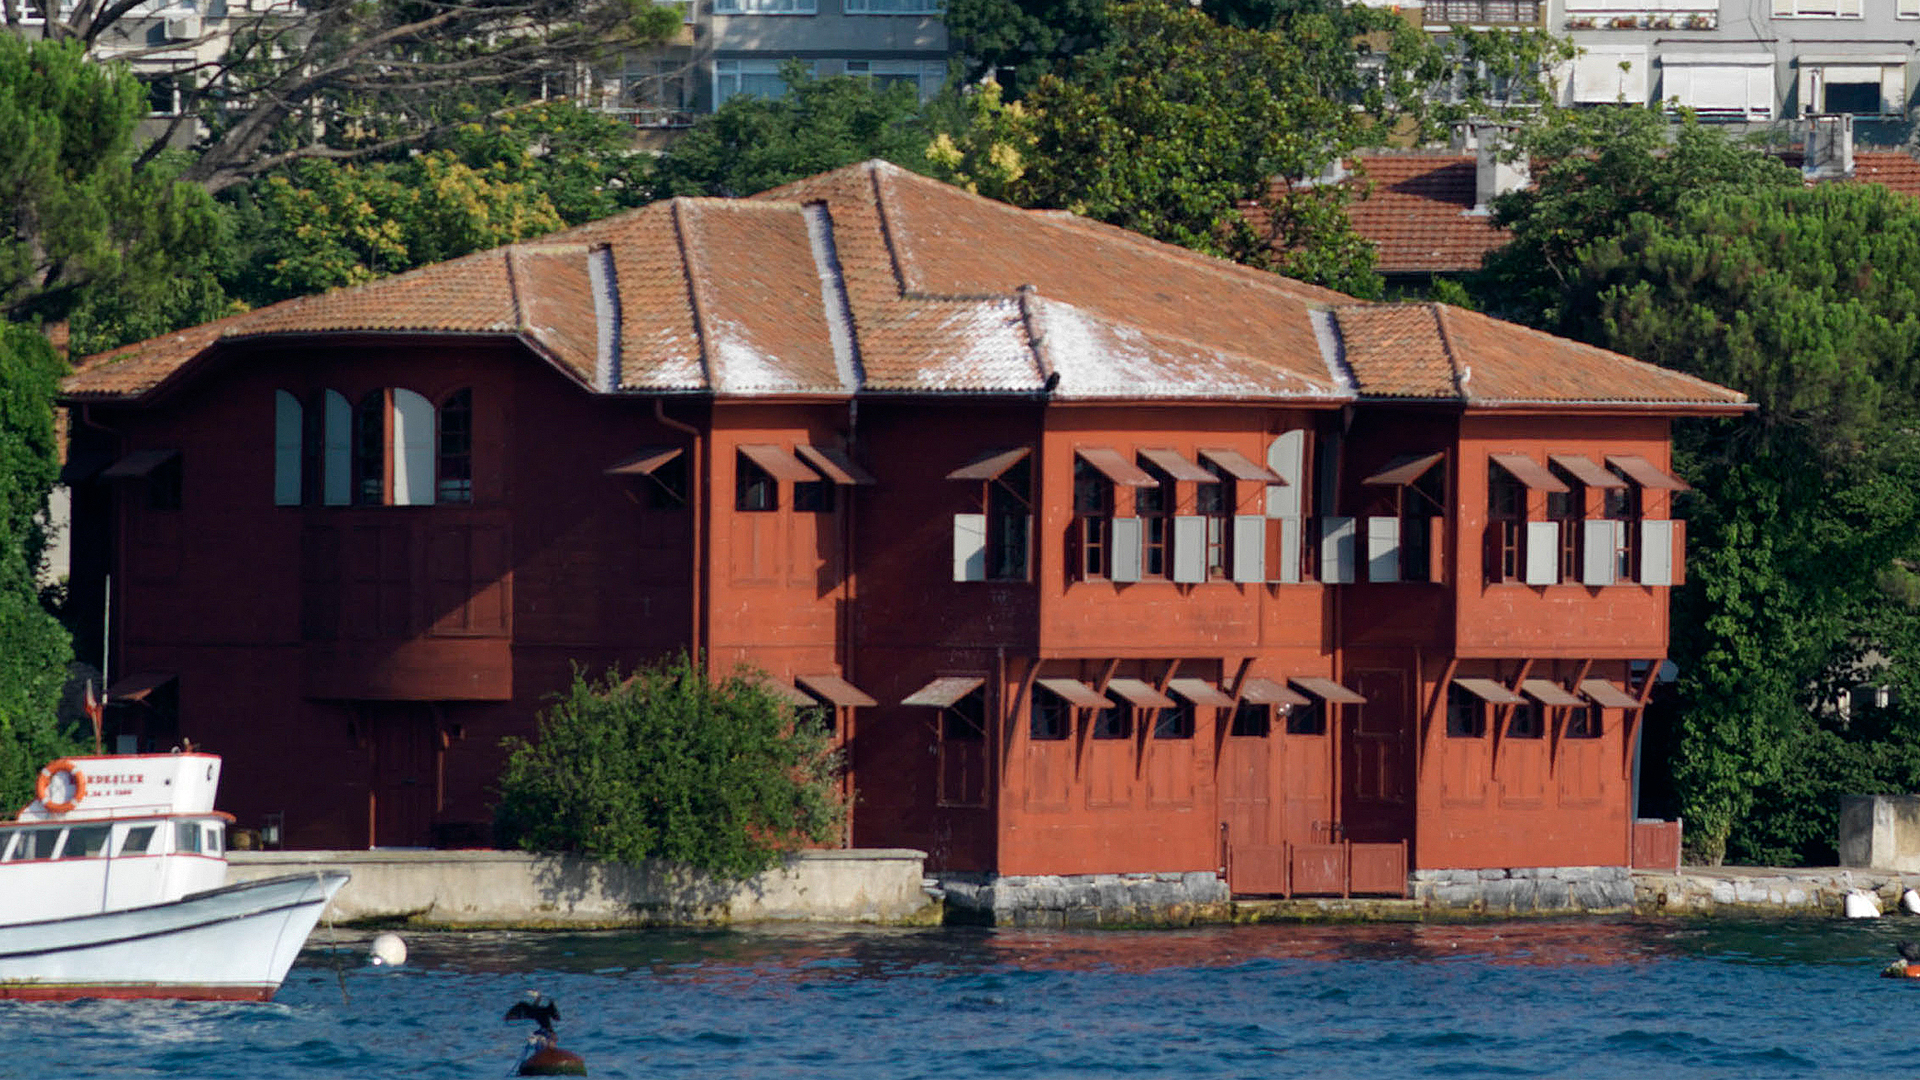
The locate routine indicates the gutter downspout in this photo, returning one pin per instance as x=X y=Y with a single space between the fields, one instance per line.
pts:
x=697 y=496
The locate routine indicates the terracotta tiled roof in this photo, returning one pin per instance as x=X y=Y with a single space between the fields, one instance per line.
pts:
x=872 y=280
x=1418 y=210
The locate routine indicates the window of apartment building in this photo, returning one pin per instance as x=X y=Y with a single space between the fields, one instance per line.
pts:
x=763 y=7
x=1050 y=717
x=1154 y=506
x=166 y=92
x=1175 y=722
x=925 y=76
x=1720 y=86
x=1607 y=74
x=754 y=78
x=1092 y=518
x=896 y=7
x=754 y=488
x=1466 y=714
x=1863 y=85
x=991 y=543
x=1818 y=9
x=1506 y=524
x=1251 y=720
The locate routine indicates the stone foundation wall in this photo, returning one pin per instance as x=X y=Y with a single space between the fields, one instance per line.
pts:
x=1526 y=890
x=1751 y=890
x=1166 y=899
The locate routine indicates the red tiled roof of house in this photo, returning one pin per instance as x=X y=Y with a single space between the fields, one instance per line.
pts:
x=1418 y=210
x=870 y=279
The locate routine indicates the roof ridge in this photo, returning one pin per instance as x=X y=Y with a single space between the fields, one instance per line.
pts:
x=697 y=305
x=1462 y=374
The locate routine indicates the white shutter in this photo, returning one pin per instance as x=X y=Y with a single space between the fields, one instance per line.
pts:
x=1656 y=553
x=1599 y=80
x=1601 y=545
x=1124 y=536
x=1189 y=549
x=1848 y=9
x=1250 y=548
x=287 y=428
x=1287 y=457
x=1336 y=550
x=969 y=547
x=336 y=471
x=1543 y=553
x=1760 y=92
x=1383 y=549
x=1908 y=9
x=413 y=449
x=1893 y=89
x=1783 y=7
x=1288 y=572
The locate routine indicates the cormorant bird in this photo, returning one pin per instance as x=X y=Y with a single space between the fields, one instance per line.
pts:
x=537 y=1009
x=543 y=1056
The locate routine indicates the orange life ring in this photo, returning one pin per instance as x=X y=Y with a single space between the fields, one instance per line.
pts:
x=53 y=769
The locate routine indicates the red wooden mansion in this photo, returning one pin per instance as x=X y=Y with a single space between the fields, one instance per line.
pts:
x=1104 y=556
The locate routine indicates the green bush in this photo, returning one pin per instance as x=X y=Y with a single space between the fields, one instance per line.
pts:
x=1795 y=820
x=667 y=764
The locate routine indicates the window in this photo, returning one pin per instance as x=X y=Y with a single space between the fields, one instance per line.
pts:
x=925 y=76
x=1093 y=519
x=1817 y=9
x=1308 y=719
x=138 y=839
x=1506 y=524
x=212 y=837
x=763 y=7
x=1049 y=716
x=454 y=463
x=1154 y=507
x=754 y=489
x=965 y=719
x=1861 y=85
x=1720 y=86
x=754 y=78
x=1466 y=716
x=166 y=91
x=1251 y=720
x=1583 y=722
x=1568 y=509
x=393 y=452
x=1527 y=721
x=1214 y=502
x=1008 y=514
x=1113 y=722
x=895 y=7
x=1623 y=505
x=963 y=750
x=85 y=842
x=186 y=836
x=1174 y=723
x=1606 y=74
x=669 y=488
x=813 y=497
x=33 y=844
x=370 y=450
x=164 y=485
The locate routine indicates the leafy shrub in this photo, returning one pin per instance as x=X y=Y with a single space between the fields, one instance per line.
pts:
x=667 y=764
x=1795 y=819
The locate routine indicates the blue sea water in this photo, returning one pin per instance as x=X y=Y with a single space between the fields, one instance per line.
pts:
x=1621 y=998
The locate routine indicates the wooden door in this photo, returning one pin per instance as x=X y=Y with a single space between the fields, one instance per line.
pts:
x=1306 y=785
x=1377 y=795
x=404 y=788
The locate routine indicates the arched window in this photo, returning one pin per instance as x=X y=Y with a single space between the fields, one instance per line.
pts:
x=454 y=466
x=289 y=442
x=413 y=450
x=370 y=450
x=336 y=454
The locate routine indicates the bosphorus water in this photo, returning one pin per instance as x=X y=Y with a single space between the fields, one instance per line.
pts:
x=1620 y=998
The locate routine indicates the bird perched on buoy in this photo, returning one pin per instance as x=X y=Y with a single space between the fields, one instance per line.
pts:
x=1908 y=966
x=543 y=1056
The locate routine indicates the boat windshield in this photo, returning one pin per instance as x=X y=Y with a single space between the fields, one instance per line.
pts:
x=138 y=839
x=32 y=844
x=85 y=842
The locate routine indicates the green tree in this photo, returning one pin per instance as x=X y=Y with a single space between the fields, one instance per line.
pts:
x=1016 y=42
x=34 y=648
x=78 y=215
x=751 y=144
x=667 y=764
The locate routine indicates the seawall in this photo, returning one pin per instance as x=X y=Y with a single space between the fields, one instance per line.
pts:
x=478 y=889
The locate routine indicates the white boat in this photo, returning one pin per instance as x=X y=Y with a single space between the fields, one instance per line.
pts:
x=113 y=884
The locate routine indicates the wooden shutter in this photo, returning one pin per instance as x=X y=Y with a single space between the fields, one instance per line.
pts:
x=287 y=431
x=1286 y=558
x=1250 y=548
x=969 y=547
x=1123 y=549
x=1543 y=553
x=336 y=469
x=1189 y=549
x=1383 y=549
x=1337 y=550
x=1287 y=457
x=1656 y=553
x=1601 y=547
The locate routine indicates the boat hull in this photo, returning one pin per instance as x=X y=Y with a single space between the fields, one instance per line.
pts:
x=234 y=943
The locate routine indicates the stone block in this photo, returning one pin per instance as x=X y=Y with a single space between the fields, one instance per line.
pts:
x=1492 y=874
x=1552 y=894
x=1457 y=894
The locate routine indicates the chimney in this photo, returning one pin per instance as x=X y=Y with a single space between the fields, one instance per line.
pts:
x=1829 y=148
x=1495 y=176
